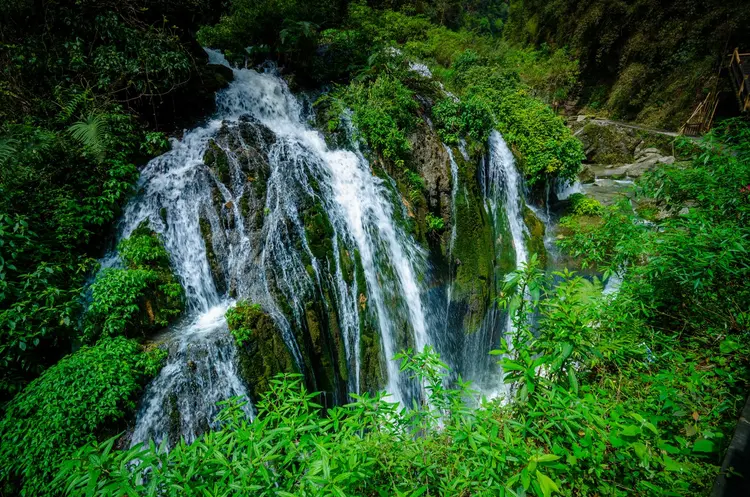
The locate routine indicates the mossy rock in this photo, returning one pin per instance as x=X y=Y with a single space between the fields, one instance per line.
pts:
x=262 y=350
x=474 y=250
x=319 y=347
x=319 y=232
x=216 y=159
x=604 y=144
x=535 y=235
x=372 y=365
x=217 y=272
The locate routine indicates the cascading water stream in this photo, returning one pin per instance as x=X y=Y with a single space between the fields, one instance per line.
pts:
x=503 y=193
x=262 y=253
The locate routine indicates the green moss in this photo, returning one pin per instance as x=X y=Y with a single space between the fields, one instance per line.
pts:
x=535 y=236
x=319 y=232
x=608 y=145
x=244 y=206
x=175 y=423
x=474 y=250
x=346 y=264
x=213 y=261
x=263 y=352
x=216 y=159
x=372 y=366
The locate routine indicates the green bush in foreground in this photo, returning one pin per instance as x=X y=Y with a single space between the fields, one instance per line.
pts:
x=84 y=396
x=602 y=405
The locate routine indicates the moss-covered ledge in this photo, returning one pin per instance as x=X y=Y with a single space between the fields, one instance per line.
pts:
x=261 y=348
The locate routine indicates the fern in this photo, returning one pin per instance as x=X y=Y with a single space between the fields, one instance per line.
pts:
x=90 y=133
x=73 y=105
x=7 y=149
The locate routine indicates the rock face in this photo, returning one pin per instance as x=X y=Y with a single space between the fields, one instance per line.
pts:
x=263 y=353
x=431 y=162
x=238 y=158
x=618 y=153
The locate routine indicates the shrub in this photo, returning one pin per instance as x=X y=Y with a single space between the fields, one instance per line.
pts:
x=144 y=249
x=384 y=113
x=142 y=298
x=84 y=396
x=581 y=205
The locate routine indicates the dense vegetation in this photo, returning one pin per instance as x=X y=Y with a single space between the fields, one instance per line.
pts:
x=85 y=90
x=649 y=60
x=632 y=393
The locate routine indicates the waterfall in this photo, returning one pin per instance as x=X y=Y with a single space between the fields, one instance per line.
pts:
x=277 y=169
x=200 y=371
x=566 y=188
x=454 y=191
x=502 y=186
x=504 y=193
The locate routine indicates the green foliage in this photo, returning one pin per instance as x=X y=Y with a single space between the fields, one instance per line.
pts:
x=116 y=305
x=143 y=297
x=538 y=137
x=602 y=379
x=690 y=267
x=155 y=143
x=84 y=396
x=486 y=76
x=89 y=133
x=288 y=29
x=384 y=113
x=434 y=223
x=584 y=206
x=652 y=61
x=416 y=185
x=144 y=248
x=470 y=117
x=603 y=406
x=82 y=86
x=240 y=318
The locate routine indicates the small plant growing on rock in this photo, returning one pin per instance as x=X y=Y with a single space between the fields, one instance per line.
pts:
x=434 y=223
x=239 y=318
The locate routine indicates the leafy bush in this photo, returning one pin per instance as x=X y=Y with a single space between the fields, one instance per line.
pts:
x=384 y=113
x=686 y=263
x=600 y=407
x=84 y=396
x=144 y=249
x=141 y=298
x=539 y=138
x=470 y=117
x=581 y=205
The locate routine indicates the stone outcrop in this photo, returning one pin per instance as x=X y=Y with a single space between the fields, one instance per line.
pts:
x=617 y=154
x=431 y=162
x=262 y=351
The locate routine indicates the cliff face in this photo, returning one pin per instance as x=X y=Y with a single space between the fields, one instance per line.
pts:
x=437 y=200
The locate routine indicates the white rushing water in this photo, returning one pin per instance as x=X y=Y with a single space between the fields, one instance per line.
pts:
x=262 y=252
x=504 y=193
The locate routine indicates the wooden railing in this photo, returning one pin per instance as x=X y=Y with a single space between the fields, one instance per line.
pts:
x=739 y=69
x=703 y=116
